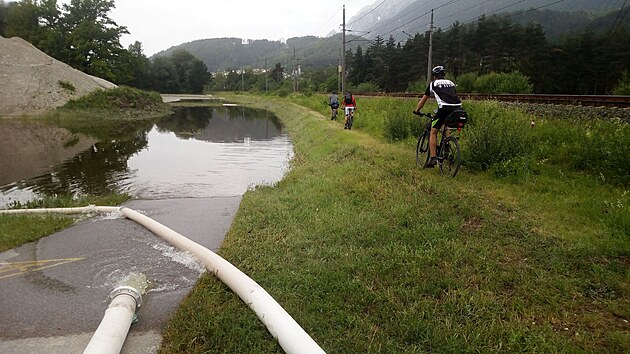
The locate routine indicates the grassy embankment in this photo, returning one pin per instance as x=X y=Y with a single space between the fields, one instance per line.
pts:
x=370 y=253
x=93 y=115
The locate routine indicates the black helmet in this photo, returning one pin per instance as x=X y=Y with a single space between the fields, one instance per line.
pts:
x=438 y=72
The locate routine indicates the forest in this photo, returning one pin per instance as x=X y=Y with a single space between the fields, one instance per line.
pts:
x=497 y=53
x=586 y=63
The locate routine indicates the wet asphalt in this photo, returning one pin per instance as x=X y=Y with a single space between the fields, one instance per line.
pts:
x=54 y=291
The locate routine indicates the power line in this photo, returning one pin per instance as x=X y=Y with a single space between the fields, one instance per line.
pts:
x=618 y=20
x=497 y=10
x=367 y=13
x=534 y=9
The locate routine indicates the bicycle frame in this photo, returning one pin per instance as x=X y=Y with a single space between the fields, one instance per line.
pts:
x=448 y=160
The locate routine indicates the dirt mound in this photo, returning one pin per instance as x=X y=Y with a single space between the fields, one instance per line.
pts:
x=32 y=82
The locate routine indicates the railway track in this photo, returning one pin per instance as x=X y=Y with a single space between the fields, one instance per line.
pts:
x=579 y=100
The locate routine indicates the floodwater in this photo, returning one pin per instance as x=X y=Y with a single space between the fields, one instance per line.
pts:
x=196 y=152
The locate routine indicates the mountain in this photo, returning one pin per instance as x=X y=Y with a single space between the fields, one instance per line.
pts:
x=400 y=19
x=235 y=53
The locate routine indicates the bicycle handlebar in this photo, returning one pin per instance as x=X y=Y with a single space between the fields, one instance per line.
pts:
x=421 y=114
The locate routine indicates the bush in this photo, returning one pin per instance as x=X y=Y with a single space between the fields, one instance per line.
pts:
x=495 y=83
x=68 y=86
x=116 y=99
x=417 y=86
x=496 y=135
x=368 y=87
x=466 y=82
x=283 y=92
x=396 y=127
x=624 y=85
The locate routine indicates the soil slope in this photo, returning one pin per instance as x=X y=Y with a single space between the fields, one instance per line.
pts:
x=30 y=80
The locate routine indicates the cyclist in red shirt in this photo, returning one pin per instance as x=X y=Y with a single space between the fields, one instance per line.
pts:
x=350 y=105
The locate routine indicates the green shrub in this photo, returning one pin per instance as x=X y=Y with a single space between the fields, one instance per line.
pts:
x=494 y=136
x=68 y=86
x=494 y=83
x=623 y=88
x=417 y=86
x=515 y=82
x=117 y=99
x=396 y=127
x=283 y=93
x=367 y=87
x=466 y=82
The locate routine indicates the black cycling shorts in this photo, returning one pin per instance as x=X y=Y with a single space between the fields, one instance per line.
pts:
x=441 y=114
x=334 y=105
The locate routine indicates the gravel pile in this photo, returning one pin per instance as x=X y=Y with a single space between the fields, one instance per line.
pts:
x=32 y=82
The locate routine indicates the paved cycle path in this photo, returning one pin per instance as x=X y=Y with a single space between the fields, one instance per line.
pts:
x=54 y=291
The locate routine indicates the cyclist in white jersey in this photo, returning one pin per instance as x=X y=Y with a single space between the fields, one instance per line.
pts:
x=444 y=92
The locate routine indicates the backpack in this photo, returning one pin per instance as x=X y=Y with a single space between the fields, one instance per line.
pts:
x=348 y=99
x=456 y=119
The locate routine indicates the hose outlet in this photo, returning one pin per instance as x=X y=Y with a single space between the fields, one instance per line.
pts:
x=127 y=290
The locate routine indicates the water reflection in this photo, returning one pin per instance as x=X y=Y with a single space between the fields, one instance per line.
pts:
x=196 y=152
x=222 y=125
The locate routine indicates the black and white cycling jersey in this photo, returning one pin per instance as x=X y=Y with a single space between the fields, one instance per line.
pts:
x=444 y=92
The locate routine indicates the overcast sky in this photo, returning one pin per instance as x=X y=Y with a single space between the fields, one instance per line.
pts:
x=159 y=25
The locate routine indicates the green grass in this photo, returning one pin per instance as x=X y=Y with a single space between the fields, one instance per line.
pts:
x=18 y=230
x=371 y=254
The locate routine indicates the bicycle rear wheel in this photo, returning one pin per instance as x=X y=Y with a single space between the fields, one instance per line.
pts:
x=422 y=147
x=449 y=158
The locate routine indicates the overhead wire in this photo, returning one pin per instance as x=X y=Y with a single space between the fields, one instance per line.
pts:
x=367 y=13
x=534 y=9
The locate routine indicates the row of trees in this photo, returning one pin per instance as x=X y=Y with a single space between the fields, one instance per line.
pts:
x=82 y=35
x=588 y=63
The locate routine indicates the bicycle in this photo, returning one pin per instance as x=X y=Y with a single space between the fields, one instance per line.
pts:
x=350 y=119
x=335 y=109
x=448 y=152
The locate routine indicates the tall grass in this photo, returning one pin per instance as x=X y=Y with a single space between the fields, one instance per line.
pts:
x=371 y=254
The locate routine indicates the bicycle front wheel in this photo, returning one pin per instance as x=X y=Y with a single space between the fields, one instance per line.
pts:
x=449 y=158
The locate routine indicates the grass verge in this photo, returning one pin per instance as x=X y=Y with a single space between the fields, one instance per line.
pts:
x=371 y=254
x=16 y=230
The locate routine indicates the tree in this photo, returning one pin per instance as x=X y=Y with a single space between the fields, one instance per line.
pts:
x=277 y=74
x=180 y=72
x=93 y=41
x=140 y=67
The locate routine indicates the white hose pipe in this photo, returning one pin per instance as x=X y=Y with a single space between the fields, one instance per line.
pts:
x=112 y=332
x=79 y=210
x=291 y=337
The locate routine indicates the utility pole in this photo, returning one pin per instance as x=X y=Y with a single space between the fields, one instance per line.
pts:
x=294 y=71
x=430 y=57
x=242 y=79
x=339 y=71
x=266 y=75
x=343 y=52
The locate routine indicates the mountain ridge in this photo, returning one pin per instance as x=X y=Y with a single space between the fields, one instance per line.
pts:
x=224 y=54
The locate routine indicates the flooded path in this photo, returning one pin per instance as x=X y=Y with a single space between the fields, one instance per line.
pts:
x=187 y=172
x=196 y=152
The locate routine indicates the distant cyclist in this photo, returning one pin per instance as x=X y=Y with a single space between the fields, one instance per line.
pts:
x=350 y=105
x=447 y=100
x=333 y=102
